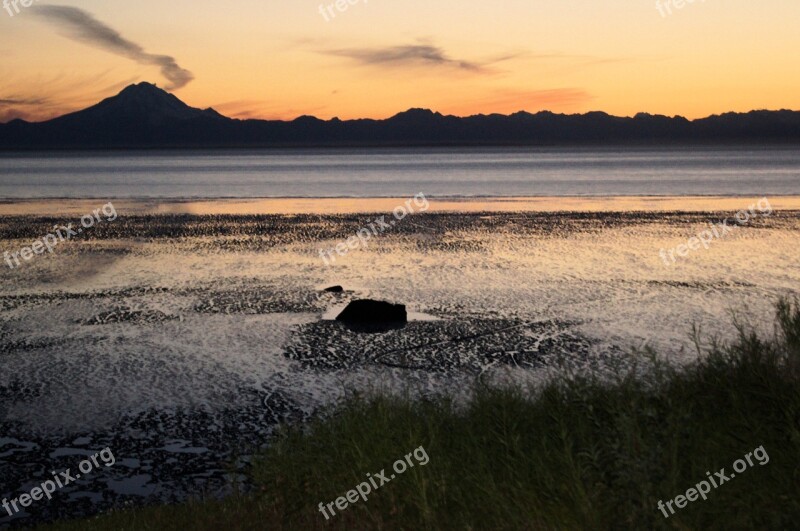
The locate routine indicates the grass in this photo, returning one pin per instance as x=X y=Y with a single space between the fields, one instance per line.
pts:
x=580 y=453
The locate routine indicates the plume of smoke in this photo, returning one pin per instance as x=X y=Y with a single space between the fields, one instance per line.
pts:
x=82 y=26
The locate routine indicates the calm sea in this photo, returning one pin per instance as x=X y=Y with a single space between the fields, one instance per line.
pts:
x=457 y=172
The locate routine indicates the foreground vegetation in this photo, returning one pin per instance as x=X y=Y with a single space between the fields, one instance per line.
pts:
x=579 y=454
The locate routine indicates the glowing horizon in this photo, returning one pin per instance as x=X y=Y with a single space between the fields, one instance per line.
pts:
x=377 y=58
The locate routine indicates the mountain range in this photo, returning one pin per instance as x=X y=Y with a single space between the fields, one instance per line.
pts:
x=145 y=116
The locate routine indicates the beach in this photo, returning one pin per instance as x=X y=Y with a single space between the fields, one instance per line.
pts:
x=181 y=332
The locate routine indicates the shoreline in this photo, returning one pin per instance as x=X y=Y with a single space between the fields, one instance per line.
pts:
x=290 y=206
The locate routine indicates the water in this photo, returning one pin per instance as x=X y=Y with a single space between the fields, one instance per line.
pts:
x=456 y=172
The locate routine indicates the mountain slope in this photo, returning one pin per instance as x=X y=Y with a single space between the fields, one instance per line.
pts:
x=137 y=104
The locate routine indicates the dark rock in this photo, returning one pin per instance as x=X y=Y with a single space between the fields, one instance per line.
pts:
x=373 y=316
x=334 y=289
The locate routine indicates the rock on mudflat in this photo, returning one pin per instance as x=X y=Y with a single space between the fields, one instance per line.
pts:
x=373 y=316
x=334 y=289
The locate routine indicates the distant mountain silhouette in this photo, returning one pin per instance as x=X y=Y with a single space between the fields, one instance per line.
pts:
x=144 y=116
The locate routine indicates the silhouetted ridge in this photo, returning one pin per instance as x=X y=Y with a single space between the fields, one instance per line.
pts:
x=413 y=116
x=143 y=116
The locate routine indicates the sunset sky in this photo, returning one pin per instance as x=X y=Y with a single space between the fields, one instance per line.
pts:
x=280 y=59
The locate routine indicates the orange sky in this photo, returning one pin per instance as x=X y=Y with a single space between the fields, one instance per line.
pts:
x=281 y=59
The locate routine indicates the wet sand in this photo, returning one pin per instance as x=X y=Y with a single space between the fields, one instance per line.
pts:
x=38 y=207
x=179 y=334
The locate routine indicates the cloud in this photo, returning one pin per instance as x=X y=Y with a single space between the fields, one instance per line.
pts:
x=265 y=110
x=82 y=26
x=6 y=115
x=22 y=101
x=411 y=55
x=37 y=98
x=558 y=98
x=13 y=107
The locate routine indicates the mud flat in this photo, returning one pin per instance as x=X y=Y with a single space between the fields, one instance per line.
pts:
x=180 y=339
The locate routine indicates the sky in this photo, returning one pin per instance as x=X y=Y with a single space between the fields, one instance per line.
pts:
x=280 y=59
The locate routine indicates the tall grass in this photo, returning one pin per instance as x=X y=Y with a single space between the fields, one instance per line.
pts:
x=581 y=453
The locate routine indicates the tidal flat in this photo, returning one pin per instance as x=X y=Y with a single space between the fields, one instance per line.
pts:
x=180 y=340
